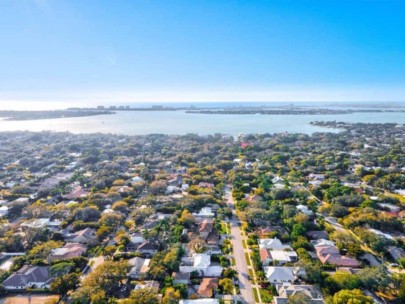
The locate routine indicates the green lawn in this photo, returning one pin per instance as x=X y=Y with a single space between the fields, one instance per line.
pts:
x=251 y=274
x=247 y=259
x=266 y=296
x=223 y=228
x=244 y=244
x=256 y=294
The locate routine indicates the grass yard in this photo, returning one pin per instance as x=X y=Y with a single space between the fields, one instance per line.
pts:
x=247 y=259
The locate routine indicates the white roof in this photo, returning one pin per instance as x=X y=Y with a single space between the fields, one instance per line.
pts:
x=200 y=301
x=282 y=255
x=137 y=179
x=271 y=244
x=202 y=261
x=38 y=223
x=210 y=271
x=279 y=274
x=378 y=232
x=322 y=242
x=205 y=212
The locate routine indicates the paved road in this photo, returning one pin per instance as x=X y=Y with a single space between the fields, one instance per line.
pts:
x=245 y=286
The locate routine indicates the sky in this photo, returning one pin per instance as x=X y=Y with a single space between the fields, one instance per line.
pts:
x=99 y=51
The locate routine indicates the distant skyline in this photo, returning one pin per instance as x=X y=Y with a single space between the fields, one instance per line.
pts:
x=71 y=52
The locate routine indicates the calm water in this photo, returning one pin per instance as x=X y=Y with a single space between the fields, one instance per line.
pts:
x=137 y=123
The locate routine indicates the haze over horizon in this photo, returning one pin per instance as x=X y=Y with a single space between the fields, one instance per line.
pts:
x=91 y=52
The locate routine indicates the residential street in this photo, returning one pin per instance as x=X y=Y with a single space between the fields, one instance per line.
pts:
x=245 y=286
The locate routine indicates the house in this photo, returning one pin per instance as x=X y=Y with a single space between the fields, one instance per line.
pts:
x=36 y=223
x=181 y=278
x=151 y=285
x=392 y=208
x=322 y=243
x=265 y=257
x=278 y=182
x=279 y=275
x=136 y=179
x=148 y=249
x=277 y=256
x=273 y=244
x=205 y=185
x=200 y=301
x=396 y=252
x=214 y=249
x=78 y=192
x=304 y=209
x=200 y=263
x=205 y=228
x=137 y=238
x=70 y=250
x=331 y=255
x=29 y=277
x=139 y=268
x=205 y=212
x=311 y=294
x=3 y=211
x=208 y=287
x=380 y=233
x=85 y=236
x=264 y=232
x=318 y=234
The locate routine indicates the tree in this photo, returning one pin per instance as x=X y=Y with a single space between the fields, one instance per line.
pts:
x=342 y=280
x=158 y=272
x=103 y=232
x=226 y=286
x=120 y=206
x=158 y=187
x=187 y=219
x=229 y=273
x=107 y=277
x=354 y=296
x=172 y=296
x=172 y=258
x=63 y=284
x=98 y=297
x=375 y=278
x=87 y=214
x=112 y=219
x=142 y=296
x=61 y=269
x=297 y=230
x=42 y=251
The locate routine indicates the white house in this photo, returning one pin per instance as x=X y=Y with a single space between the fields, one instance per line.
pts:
x=322 y=243
x=139 y=267
x=36 y=223
x=304 y=209
x=279 y=275
x=202 y=264
x=310 y=292
x=3 y=211
x=200 y=301
x=272 y=244
x=137 y=238
x=205 y=212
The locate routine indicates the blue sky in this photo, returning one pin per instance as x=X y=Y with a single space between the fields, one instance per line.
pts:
x=100 y=51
